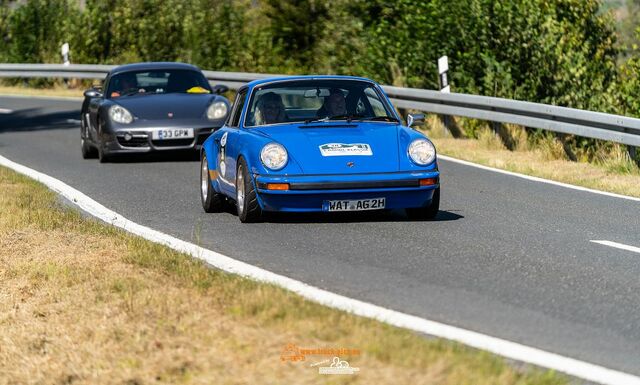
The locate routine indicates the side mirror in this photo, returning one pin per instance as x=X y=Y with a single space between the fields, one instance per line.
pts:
x=415 y=120
x=220 y=89
x=92 y=93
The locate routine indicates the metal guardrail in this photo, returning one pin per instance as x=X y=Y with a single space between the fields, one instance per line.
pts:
x=609 y=127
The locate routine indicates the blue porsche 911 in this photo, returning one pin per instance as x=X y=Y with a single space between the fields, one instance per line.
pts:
x=318 y=144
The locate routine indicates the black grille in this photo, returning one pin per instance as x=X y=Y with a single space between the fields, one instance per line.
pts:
x=202 y=138
x=354 y=185
x=134 y=142
x=173 y=142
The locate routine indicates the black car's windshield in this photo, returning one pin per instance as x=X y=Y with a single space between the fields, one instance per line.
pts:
x=315 y=100
x=157 y=82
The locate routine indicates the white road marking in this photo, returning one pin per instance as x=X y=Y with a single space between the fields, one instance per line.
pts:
x=512 y=350
x=537 y=179
x=5 y=111
x=620 y=246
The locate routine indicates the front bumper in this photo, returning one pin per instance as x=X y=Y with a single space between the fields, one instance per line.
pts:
x=311 y=193
x=141 y=139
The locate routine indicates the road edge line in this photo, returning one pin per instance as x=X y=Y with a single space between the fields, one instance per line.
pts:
x=504 y=348
x=617 y=245
x=536 y=178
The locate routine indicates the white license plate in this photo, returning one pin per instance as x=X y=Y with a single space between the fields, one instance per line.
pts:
x=172 y=133
x=355 y=205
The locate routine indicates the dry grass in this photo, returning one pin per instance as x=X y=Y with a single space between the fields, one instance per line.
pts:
x=30 y=91
x=611 y=171
x=84 y=303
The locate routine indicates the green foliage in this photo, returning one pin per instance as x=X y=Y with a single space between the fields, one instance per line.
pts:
x=38 y=28
x=552 y=51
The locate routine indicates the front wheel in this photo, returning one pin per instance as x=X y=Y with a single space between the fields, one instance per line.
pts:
x=246 y=196
x=427 y=212
x=102 y=156
x=88 y=152
x=212 y=202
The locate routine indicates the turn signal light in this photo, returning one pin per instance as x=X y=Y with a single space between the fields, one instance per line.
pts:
x=428 y=181
x=278 y=186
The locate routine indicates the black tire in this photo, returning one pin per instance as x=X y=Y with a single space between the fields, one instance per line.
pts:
x=212 y=202
x=102 y=156
x=427 y=212
x=88 y=152
x=248 y=208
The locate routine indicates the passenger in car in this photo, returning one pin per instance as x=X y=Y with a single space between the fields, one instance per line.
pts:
x=270 y=109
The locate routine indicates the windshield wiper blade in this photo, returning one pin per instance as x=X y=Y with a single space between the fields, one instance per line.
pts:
x=313 y=120
x=136 y=91
x=381 y=118
x=348 y=118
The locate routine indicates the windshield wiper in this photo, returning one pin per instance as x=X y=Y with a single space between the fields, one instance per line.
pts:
x=348 y=118
x=136 y=91
x=312 y=120
x=381 y=119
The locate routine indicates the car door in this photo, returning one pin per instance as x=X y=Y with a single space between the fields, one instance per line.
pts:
x=228 y=144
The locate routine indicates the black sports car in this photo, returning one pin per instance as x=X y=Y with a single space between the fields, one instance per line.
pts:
x=150 y=106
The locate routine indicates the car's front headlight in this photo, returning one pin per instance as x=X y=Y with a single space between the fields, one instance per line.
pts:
x=422 y=152
x=217 y=110
x=274 y=156
x=120 y=114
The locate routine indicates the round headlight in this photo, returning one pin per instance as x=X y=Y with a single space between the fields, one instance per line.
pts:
x=217 y=110
x=274 y=156
x=120 y=114
x=422 y=152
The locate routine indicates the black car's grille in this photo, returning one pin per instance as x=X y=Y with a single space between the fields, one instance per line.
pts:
x=202 y=138
x=136 y=141
x=173 y=142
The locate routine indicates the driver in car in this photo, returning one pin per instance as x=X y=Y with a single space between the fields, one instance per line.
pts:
x=127 y=82
x=334 y=105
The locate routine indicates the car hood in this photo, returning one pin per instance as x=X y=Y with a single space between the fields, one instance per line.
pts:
x=339 y=148
x=159 y=106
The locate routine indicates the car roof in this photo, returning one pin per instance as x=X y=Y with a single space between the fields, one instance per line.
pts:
x=306 y=77
x=148 y=66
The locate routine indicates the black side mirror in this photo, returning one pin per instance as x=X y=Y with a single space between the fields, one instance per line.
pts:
x=220 y=89
x=92 y=93
x=415 y=120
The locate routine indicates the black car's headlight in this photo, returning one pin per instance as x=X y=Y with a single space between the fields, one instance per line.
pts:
x=120 y=114
x=422 y=152
x=217 y=111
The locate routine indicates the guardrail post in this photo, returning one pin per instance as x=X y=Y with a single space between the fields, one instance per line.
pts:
x=633 y=154
x=505 y=137
x=443 y=78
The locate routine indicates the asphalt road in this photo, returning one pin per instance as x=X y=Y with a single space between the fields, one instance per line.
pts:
x=507 y=257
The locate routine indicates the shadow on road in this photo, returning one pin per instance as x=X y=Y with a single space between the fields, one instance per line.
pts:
x=155 y=157
x=35 y=119
x=350 y=217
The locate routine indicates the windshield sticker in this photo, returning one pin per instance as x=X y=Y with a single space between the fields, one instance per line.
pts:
x=342 y=149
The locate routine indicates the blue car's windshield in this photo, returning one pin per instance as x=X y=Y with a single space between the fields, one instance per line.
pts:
x=161 y=81
x=313 y=100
